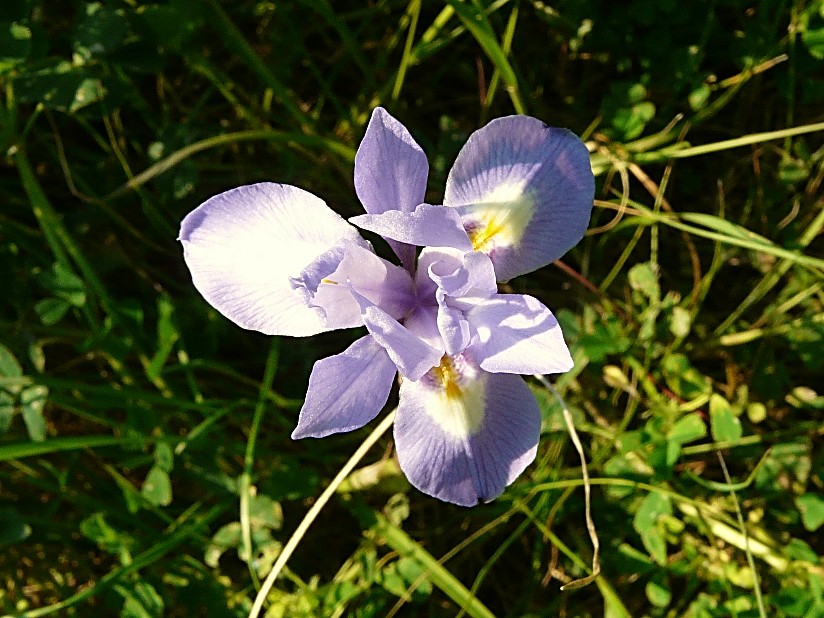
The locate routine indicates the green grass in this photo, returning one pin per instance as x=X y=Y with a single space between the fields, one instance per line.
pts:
x=146 y=467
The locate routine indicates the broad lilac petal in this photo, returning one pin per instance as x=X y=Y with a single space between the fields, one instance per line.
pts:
x=524 y=191
x=326 y=283
x=347 y=390
x=516 y=333
x=466 y=442
x=411 y=354
x=427 y=225
x=242 y=246
x=390 y=172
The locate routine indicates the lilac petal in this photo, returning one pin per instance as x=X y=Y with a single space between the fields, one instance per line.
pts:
x=423 y=323
x=466 y=442
x=346 y=391
x=411 y=354
x=459 y=274
x=427 y=225
x=453 y=327
x=242 y=246
x=390 y=172
x=325 y=284
x=525 y=192
x=515 y=333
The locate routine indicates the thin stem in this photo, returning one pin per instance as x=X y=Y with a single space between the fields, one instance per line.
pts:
x=249 y=460
x=312 y=514
x=750 y=560
x=593 y=535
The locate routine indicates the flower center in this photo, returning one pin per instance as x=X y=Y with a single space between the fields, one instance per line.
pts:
x=500 y=218
x=447 y=377
x=456 y=396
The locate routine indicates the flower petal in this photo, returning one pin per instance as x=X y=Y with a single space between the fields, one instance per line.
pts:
x=427 y=225
x=390 y=172
x=242 y=246
x=465 y=442
x=347 y=390
x=326 y=283
x=412 y=356
x=515 y=333
x=525 y=192
x=453 y=327
x=458 y=274
x=423 y=323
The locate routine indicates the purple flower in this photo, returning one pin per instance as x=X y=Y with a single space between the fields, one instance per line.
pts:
x=276 y=259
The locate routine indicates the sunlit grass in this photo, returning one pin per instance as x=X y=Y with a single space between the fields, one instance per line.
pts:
x=146 y=467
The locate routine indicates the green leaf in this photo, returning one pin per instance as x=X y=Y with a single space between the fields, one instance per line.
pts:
x=799 y=550
x=698 y=97
x=265 y=512
x=101 y=30
x=688 y=428
x=51 y=310
x=658 y=592
x=63 y=283
x=814 y=42
x=7 y=411
x=725 y=425
x=12 y=527
x=478 y=25
x=9 y=367
x=140 y=601
x=647 y=522
x=607 y=338
x=680 y=322
x=811 y=507
x=684 y=379
x=164 y=456
x=167 y=335
x=631 y=121
x=652 y=508
x=32 y=400
x=642 y=277
x=107 y=538
x=157 y=488
x=60 y=86
x=15 y=44
x=723 y=226
x=227 y=537
x=411 y=571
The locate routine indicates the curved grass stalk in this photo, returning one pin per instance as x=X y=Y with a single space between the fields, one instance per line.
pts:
x=593 y=535
x=249 y=459
x=312 y=513
x=740 y=517
x=673 y=152
x=178 y=156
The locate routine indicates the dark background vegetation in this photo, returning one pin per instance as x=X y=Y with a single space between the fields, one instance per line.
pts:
x=128 y=457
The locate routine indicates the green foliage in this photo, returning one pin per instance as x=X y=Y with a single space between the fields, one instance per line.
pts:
x=147 y=468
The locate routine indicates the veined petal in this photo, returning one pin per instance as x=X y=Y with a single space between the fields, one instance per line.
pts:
x=390 y=172
x=347 y=390
x=326 y=282
x=515 y=333
x=524 y=191
x=462 y=434
x=427 y=225
x=411 y=354
x=242 y=246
